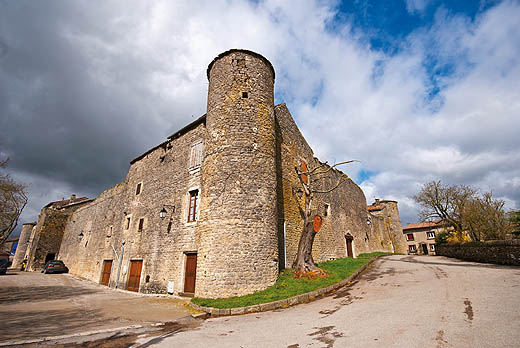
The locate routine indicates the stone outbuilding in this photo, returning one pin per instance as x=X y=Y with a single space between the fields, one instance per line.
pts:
x=215 y=209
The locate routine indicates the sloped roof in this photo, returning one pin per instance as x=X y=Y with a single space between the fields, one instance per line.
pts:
x=425 y=224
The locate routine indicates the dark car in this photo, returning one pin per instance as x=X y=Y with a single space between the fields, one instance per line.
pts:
x=55 y=266
x=3 y=266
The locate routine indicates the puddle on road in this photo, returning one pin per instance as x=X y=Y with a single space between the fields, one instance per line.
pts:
x=468 y=310
x=326 y=335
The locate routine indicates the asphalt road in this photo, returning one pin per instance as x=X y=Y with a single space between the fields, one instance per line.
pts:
x=35 y=305
x=401 y=301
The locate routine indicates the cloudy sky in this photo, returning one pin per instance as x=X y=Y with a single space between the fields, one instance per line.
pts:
x=416 y=90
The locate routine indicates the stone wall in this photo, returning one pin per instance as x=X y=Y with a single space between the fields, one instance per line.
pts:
x=343 y=210
x=23 y=243
x=239 y=242
x=166 y=179
x=386 y=225
x=46 y=236
x=506 y=252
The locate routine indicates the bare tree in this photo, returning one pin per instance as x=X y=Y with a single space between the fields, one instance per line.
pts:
x=312 y=182
x=12 y=201
x=444 y=202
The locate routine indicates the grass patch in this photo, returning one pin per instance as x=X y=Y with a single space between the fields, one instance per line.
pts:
x=286 y=286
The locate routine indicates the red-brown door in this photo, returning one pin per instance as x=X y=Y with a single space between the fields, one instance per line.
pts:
x=105 y=276
x=191 y=271
x=349 y=246
x=135 y=275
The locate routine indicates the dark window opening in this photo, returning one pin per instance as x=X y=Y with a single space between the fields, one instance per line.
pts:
x=409 y=236
x=49 y=257
x=147 y=278
x=192 y=208
x=141 y=224
x=138 y=189
x=326 y=210
x=127 y=226
x=245 y=95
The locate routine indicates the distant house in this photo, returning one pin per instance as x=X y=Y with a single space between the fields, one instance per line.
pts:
x=420 y=237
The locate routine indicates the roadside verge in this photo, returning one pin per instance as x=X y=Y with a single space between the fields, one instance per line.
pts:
x=287 y=302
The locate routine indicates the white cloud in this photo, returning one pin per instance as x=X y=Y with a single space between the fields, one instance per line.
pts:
x=350 y=102
x=416 y=6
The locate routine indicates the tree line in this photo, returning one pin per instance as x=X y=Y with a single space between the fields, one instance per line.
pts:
x=467 y=211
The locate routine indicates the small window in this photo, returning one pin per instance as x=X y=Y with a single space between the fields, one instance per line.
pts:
x=412 y=248
x=431 y=235
x=192 y=207
x=127 y=224
x=141 y=224
x=138 y=189
x=409 y=236
x=432 y=247
x=195 y=156
x=327 y=210
x=245 y=95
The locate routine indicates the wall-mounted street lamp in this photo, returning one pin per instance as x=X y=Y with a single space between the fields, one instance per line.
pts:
x=164 y=212
x=80 y=237
x=368 y=221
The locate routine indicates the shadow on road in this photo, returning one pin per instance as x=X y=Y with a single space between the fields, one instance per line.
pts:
x=14 y=294
x=29 y=324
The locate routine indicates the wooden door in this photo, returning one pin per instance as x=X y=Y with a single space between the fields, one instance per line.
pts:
x=105 y=276
x=135 y=275
x=349 y=247
x=425 y=249
x=191 y=271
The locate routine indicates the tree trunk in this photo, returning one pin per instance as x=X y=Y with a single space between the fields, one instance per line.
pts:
x=304 y=265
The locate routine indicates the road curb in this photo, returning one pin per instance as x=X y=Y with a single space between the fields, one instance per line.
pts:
x=284 y=303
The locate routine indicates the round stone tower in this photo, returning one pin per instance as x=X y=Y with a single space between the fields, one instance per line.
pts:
x=238 y=250
x=23 y=242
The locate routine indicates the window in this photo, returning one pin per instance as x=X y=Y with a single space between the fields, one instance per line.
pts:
x=327 y=210
x=431 y=235
x=245 y=95
x=192 y=207
x=195 y=156
x=432 y=247
x=412 y=248
x=127 y=224
x=409 y=236
x=141 y=224
x=138 y=189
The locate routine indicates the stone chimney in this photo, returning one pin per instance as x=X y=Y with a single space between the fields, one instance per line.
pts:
x=72 y=197
x=377 y=201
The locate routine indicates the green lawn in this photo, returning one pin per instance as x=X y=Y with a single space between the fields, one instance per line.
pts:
x=286 y=286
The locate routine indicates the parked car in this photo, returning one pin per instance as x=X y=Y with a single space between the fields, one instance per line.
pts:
x=3 y=266
x=55 y=266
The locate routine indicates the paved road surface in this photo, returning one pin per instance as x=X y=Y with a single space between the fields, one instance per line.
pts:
x=35 y=305
x=402 y=301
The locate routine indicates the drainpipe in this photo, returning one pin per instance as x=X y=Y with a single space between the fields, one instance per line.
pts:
x=120 y=263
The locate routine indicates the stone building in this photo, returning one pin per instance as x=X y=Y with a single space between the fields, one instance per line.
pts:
x=386 y=225
x=420 y=237
x=214 y=210
x=41 y=241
